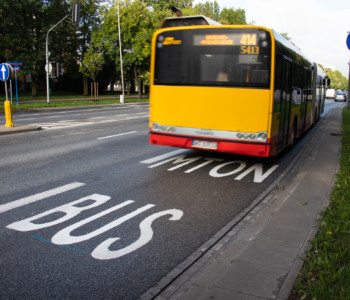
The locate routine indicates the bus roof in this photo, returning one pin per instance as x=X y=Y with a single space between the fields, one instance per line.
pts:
x=188 y=21
x=294 y=51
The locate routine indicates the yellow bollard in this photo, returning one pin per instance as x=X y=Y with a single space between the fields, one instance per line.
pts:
x=8 y=114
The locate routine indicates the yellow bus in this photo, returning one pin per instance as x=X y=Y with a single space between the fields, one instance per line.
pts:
x=231 y=88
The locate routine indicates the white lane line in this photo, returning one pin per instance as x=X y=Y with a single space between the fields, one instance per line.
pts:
x=39 y=196
x=68 y=112
x=61 y=124
x=52 y=117
x=26 y=119
x=163 y=156
x=116 y=135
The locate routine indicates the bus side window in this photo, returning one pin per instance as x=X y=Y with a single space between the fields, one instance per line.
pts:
x=278 y=84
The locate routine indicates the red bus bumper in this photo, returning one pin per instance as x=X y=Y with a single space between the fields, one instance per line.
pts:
x=229 y=146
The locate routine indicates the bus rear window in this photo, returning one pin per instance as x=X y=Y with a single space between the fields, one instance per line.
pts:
x=213 y=57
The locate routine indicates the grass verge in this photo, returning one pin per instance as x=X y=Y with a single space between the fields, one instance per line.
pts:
x=326 y=270
x=23 y=105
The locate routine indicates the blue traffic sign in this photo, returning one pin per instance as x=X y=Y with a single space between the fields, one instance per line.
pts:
x=15 y=63
x=5 y=72
x=348 y=41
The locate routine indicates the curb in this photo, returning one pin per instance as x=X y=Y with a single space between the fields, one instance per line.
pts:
x=18 y=129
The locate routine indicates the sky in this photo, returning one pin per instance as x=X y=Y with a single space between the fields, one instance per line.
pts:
x=318 y=27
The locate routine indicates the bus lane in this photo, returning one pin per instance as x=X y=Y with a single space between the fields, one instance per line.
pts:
x=116 y=236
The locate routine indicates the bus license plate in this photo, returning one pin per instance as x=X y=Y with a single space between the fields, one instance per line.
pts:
x=205 y=145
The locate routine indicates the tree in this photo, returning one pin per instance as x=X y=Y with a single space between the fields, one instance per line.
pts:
x=285 y=35
x=90 y=20
x=62 y=39
x=338 y=81
x=23 y=25
x=137 y=29
x=230 y=16
x=208 y=9
x=137 y=23
x=91 y=65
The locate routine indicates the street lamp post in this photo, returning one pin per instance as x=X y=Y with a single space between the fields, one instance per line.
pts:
x=121 y=59
x=47 y=61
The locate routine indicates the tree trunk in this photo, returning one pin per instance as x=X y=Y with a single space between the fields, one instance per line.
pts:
x=128 y=88
x=132 y=86
x=138 y=82
x=34 y=87
x=86 y=87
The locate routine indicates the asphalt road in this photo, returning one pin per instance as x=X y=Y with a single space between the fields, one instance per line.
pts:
x=90 y=210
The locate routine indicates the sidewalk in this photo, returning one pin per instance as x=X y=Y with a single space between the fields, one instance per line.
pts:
x=260 y=257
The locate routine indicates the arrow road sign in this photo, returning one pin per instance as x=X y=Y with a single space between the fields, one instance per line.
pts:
x=5 y=72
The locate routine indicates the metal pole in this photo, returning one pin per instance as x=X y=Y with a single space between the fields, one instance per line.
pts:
x=11 y=89
x=16 y=88
x=6 y=95
x=347 y=43
x=348 y=86
x=121 y=59
x=47 y=60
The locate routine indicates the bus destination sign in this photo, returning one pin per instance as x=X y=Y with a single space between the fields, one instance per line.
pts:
x=228 y=39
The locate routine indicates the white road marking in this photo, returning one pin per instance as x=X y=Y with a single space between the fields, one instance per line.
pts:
x=52 y=117
x=236 y=166
x=163 y=156
x=116 y=135
x=39 y=196
x=25 y=119
x=62 y=124
x=68 y=112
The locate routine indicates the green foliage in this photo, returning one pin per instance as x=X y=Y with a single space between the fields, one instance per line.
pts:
x=285 y=35
x=208 y=9
x=92 y=46
x=181 y=3
x=92 y=63
x=326 y=271
x=24 y=26
x=231 y=16
x=137 y=24
x=338 y=80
